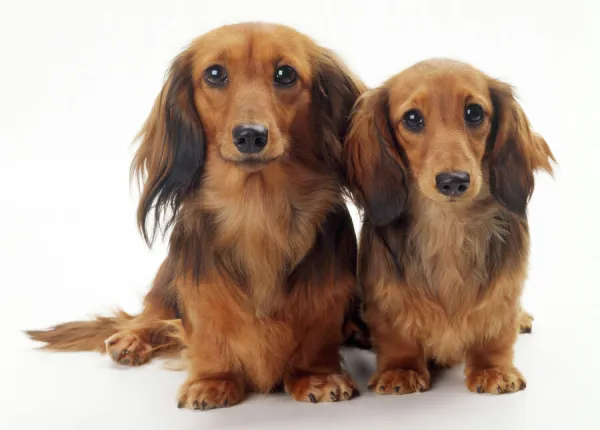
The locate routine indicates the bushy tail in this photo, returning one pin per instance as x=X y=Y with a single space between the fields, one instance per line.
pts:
x=81 y=335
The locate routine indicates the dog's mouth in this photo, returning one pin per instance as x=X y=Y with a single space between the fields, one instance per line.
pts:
x=432 y=194
x=444 y=200
x=452 y=199
x=251 y=163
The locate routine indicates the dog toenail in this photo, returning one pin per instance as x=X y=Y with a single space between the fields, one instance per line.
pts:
x=346 y=395
x=312 y=398
x=180 y=404
x=226 y=402
x=397 y=389
x=196 y=405
x=499 y=389
x=204 y=405
x=381 y=388
x=125 y=361
x=479 y=390
x=332 y=396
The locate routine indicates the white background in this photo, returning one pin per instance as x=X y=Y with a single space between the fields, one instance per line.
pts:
x=77 y=80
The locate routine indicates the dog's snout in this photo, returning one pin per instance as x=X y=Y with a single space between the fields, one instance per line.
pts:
x=452 y=184
x=250 y=138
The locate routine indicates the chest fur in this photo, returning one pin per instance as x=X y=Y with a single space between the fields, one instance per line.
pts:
x=450 y=251
x=266 y=228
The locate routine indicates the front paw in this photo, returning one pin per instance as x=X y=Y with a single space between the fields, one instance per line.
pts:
x=496 y=380
x=399 y=381
x=206 y=394
x=321 y=387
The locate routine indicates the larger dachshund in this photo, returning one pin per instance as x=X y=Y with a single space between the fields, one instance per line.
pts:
x=441 y=158
x=242 y=157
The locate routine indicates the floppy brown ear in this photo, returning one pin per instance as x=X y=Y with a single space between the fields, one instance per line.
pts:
x=515 y=151
x=334 y=93
x=170 y=158
x=376 y=171
x=541 y=155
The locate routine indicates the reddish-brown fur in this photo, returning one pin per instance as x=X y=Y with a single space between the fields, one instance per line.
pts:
x=261 y=265
x=441 y=276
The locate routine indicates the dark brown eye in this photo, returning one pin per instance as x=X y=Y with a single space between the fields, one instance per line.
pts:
x=413 y=120
x=473 y=114
x=285 y=76
x=216 y=76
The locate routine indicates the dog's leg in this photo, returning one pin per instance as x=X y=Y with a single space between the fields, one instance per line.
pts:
x=204 y=390
x=489 y=363
x=215 y=377
x=401 y=363
x=315 y=373
x=319 y=377
x=213 y=380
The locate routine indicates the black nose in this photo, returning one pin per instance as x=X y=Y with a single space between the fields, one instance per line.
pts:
x=250 y=138
x=452 y=183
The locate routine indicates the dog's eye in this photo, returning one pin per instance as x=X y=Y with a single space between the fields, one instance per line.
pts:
x=216 y=76
x=285 y=76
x=413 y=120
x=473 y=114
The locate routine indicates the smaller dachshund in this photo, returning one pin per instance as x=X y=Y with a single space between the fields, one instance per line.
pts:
x=441 y=158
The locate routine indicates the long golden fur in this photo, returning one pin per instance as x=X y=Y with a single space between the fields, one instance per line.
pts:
x=442 y=269
x=261 y=264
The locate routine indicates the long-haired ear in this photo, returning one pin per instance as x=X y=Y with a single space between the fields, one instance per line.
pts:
x=514 y=151
x=170 y=158
x=376 y=171
x=541 y=155
x=334 y=93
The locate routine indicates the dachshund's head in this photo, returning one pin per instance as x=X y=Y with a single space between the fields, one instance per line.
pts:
x=447 y=131
x=236 y=102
